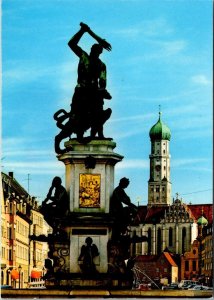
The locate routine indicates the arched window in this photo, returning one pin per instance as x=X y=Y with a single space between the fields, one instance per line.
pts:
x=170 y=237
x=183 y=239
x=149 y=241
x=159 y=242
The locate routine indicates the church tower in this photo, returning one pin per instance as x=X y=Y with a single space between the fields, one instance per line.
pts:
x=159 y=185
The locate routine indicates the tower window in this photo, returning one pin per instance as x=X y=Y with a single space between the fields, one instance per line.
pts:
x=158 y=189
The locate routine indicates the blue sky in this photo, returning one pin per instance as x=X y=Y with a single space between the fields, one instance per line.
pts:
x=161 y=55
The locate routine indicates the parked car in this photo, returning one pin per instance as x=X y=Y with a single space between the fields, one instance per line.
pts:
x=189 y=286
x=199 y=288
x=207 y=287
x=184 y=283
x=171 y=286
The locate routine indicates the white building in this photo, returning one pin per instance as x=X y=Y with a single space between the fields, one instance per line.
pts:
x=167 y=223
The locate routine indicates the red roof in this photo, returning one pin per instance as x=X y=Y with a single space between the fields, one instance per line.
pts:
x=145 y=258
x=151 y=214
x=141 y=214
x=170 y=259
x=154 y=258
x=197 y=210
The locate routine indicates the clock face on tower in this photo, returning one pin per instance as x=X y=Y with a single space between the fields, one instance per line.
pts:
x=157 y=168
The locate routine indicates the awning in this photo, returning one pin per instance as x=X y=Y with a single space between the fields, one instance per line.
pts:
x=14 y=274
x=36 y=274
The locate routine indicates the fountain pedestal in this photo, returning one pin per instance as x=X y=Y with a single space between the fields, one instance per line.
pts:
x=89 y=181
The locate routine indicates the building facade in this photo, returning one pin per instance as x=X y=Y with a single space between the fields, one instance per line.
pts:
x=156 y=268
x=207 y=254
x=190 y=263
x=20 y=218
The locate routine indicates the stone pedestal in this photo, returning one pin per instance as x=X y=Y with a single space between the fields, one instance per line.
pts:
x=89 y=175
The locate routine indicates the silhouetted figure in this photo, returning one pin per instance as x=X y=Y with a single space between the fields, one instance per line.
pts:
x=87 y=255
x=87 y=102
x=123 y=215
x=49 y=269
x=59 y=201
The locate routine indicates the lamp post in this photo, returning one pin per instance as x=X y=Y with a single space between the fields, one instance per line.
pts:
x=43 y=272
x=20 y=269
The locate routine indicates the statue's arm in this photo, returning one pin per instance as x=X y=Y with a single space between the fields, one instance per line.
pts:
x=125 y=198
x=73 y=43
x=101 y=41
x=48 y=197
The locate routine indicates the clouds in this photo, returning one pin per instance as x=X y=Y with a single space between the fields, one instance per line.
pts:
x=34 y=167
x=21 y=72
x=201 y=79
x=133 y=164
x=157 y=37
x=187 y=162
x=158 y=27
x=23 y=156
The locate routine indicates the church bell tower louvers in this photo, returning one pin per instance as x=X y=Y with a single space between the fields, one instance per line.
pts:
x=159 y=185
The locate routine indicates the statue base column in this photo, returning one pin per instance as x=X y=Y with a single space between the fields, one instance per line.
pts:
x=89 y=176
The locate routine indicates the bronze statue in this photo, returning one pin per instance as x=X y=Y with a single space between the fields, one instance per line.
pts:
x=59 y=202
x=87 y=255
x=87 y=102
x=122 y=215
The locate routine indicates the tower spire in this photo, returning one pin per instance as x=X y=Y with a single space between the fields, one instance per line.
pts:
x=159 y=185
x=159 y=111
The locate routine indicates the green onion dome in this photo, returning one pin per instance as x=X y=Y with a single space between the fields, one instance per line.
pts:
x=202 y=221
x=160 y=131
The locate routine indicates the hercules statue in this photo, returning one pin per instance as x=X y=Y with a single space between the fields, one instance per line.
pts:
x=87 y=103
